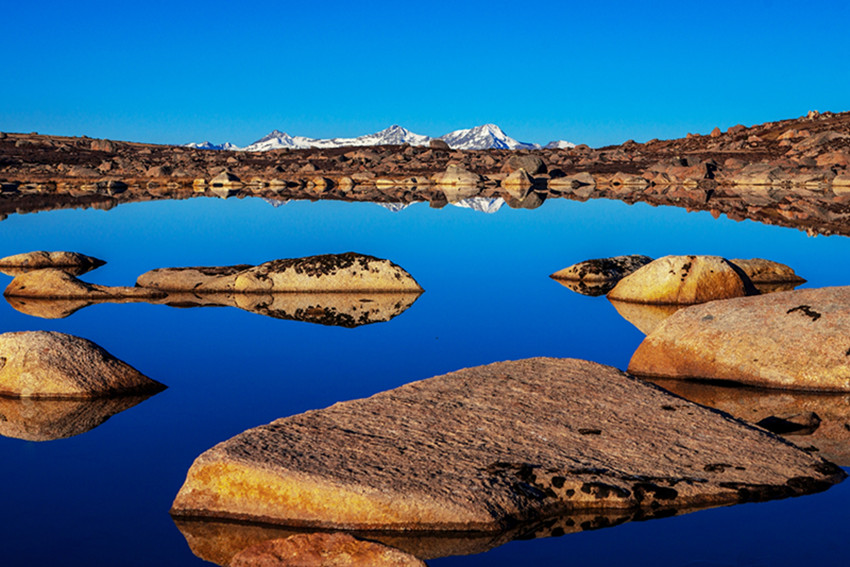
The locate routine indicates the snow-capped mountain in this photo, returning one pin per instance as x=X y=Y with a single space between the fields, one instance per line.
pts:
x=559 y=145
x=211 y=146
x=481 y=204
x=488 y=136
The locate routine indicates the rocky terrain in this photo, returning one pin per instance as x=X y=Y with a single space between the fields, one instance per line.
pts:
x=789 y=172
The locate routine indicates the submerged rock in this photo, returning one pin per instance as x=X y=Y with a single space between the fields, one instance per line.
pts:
x=349 y=272
x=646 y=317
x=683 y=280
x=323 y=550
x=486 y=448
x=58 y=284
x=14 y=265
x=602 y=269
x=792 y=340
x=48 y=420
x=40 y=364
x=760 y=271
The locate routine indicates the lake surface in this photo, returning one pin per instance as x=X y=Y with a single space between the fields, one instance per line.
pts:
x=102 y=497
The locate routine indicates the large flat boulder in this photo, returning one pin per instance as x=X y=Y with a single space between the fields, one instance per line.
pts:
x=489 y=447
x=683 y=280
x=79 y=263
x=41 y=364
x=348 y=272
x=54 y=283
x=791 y=340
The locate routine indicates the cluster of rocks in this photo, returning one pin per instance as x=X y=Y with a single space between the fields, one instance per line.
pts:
x=345 y=290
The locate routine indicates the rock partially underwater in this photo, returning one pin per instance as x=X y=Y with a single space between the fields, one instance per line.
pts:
x=68 y=261
x=348 y=272
x=54 y=283
x=790 y=340
x=41 y=364
x=492 y=447
x=602 y=269
x=683 y=280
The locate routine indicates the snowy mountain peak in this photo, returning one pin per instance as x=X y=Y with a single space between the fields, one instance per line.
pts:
x=486 y=136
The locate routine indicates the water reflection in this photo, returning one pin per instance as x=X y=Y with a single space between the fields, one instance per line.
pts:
x=47 y=420
x=218 y=541
x=646 y=317
x=333 y=309
x=831 y=437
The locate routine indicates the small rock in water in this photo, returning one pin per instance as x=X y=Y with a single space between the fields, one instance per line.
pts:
x=349 y=272
x=797 y=424
x=42 y=259
x=760 y=270
x=602 y=269
x=323 y=550
x=58 y=284
x=683 y=280
x=40 y=364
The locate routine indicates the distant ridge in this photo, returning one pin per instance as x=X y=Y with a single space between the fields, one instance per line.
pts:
x=484 y=137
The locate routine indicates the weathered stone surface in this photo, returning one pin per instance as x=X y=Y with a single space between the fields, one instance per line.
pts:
x=683 y=280
x=323 y=550
x=518 y=184
x=348 y=272
x=58 y=284
x=792 y=340
x=334 y=309
x=602 y=269
x=760 y=270
x=40 y=364
x=533 y=165
x=42 y=259
x=456 y=175
x=489 y=447
x=831 y=436
x=48 y=420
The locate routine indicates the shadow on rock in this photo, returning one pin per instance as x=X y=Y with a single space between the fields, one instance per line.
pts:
x=48 y=420
x=807 y=419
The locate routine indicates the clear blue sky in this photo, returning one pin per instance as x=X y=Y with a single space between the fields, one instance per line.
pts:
x=594 y=72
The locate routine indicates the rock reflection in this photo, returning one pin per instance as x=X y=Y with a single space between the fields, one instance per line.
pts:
x=218 y=541
x=332 y=309
x=47 y=420
x=593 y=289
x=59 y=308
x=831 y=437
x=646 y=317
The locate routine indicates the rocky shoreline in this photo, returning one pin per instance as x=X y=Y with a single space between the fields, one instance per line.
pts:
x=790 y=173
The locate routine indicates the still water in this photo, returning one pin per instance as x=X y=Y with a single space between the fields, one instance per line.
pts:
x=102 y=497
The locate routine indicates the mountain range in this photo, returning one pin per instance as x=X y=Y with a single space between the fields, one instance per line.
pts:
x=484 y=137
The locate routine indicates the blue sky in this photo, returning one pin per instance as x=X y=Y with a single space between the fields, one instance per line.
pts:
x=592 y=72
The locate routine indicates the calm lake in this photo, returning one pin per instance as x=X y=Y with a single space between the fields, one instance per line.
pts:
x=102 y=497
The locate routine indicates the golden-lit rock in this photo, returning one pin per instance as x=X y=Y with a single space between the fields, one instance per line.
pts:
x=58 y=284
x=80 y=263
x=760 y=271
x=323 y=550
x=490 y=447
x=683 y=280
x=41 y=364
x=789 y=340
x=349 y=272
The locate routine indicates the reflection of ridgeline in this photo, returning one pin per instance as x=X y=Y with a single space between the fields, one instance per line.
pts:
x=47 y=420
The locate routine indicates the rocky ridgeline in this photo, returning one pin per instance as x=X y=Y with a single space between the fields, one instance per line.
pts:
x=792 y=172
